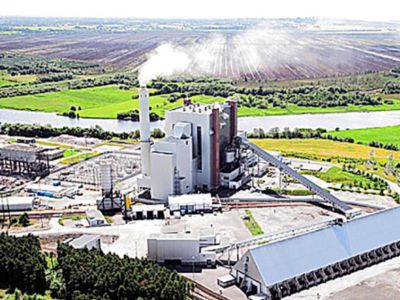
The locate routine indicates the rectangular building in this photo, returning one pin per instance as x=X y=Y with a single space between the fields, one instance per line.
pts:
x=193 y=203
x=182 y=249
x=285 y=267
x=87 y=241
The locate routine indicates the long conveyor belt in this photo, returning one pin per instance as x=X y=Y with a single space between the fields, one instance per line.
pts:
x=344 y=208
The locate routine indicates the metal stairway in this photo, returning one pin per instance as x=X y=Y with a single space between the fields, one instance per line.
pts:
x=338 y=204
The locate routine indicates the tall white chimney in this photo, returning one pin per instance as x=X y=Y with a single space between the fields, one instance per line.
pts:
x=144 y=129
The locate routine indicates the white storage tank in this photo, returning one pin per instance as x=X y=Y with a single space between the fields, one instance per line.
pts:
x=106 y=177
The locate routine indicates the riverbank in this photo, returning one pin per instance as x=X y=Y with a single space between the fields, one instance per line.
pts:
x=351 y=120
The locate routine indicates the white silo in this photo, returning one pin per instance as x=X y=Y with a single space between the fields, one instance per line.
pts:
x=144 y=130
x=106 y=178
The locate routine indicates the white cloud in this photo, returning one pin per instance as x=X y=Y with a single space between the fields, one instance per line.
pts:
x=347 y=9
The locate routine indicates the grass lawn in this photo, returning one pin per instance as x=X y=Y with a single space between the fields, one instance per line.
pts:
x=108 y=101
x=7 y=80
x=338 y=176
x=62 y=101
x=73 y=218
x=294 y=109
x=385 y=135
x=4 y=82
x=70 y=152
x=77 y=158
x=252 y=225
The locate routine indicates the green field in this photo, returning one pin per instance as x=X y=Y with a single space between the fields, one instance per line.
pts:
x=77 y=158
x=338 y=153
x=62 y=101
x=108 y=101
x=339 y=176
x=385 y=135
x=70 y=152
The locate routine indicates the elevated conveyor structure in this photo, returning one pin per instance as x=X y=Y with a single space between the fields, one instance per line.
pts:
x=344 y=208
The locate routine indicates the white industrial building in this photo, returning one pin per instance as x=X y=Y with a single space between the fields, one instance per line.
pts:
x=183 y=249
x=193 y=203
x=279 y=269
x=149 y=212
x=16 y=203
x=95 y=218
x=51 y=190
x=87 y=241
x=199 y=152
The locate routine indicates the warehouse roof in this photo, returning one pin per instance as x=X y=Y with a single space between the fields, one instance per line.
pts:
x=94 y=214
x=145 y=208
x=82 y=241
x=190 y=199
x=174 y=236
x=283 y=260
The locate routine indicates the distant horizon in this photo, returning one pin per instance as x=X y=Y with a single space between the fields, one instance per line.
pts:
x=384 y=11
x=194 y=19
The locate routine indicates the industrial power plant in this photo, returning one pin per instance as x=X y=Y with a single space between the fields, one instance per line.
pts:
x=199 y=153
x=204 y=197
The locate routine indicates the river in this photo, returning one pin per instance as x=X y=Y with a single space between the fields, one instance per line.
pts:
x=328 y=121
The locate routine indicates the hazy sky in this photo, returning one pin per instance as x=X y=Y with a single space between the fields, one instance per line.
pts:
x=347 y=9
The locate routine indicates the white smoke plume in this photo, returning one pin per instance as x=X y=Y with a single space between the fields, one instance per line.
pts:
x=166 y=60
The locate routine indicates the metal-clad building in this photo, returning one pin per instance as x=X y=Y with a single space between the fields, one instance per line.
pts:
x=288 y=266
x=87 y=241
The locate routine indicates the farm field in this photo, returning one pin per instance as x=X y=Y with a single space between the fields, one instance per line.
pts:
x=62 y=101
x=108 y=101
x=337 y=153
x=250 y=51
x=324 y=148
x=384 y=135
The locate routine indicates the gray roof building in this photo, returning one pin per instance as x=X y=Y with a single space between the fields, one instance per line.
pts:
x=88 y=241
x=284 y=267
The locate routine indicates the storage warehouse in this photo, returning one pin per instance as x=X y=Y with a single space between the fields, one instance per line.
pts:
x=148 y=211
x=15 y=203
x=53 y=191
x=192 y=203
x=277 y=271
x=181 y=249
x=87 y=241
x=95 y=218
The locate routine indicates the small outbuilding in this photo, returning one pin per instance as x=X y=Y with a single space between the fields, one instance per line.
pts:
x=87 y=241
x=95 y=218
x=148 y=212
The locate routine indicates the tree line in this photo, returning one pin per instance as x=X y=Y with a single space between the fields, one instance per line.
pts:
x=46 y=131
x=133 y=115
x=91 y=274
x=391 y=87
x=126 y=81
x=81 y=274
x=17 y=64
x=308 y=96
